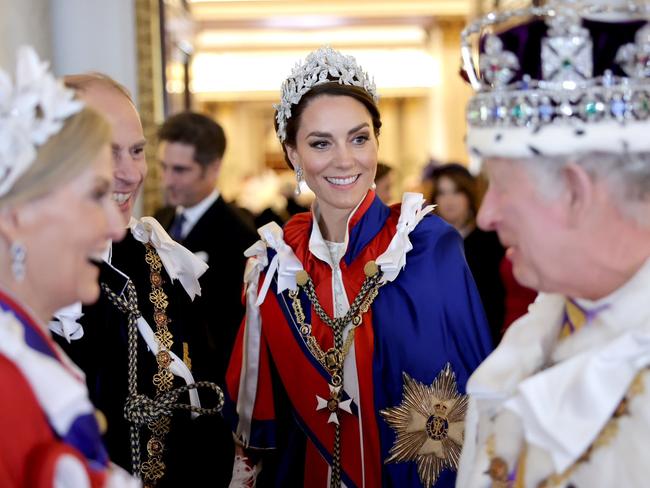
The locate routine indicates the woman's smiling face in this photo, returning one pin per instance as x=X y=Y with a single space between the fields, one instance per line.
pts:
x=337 y=149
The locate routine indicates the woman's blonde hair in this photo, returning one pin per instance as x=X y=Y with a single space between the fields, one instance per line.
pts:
x=62 y=157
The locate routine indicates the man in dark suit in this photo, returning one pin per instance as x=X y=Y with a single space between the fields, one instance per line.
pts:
x=191 y=148
x=141 y=339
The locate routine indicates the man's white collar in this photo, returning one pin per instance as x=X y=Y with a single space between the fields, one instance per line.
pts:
x=194 y=213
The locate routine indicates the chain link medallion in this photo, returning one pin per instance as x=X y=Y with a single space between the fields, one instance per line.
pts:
x=332 y=359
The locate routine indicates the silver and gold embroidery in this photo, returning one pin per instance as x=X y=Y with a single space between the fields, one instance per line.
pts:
x=429 y=424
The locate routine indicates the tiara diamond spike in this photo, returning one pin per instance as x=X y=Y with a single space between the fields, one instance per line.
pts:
x=324 y=65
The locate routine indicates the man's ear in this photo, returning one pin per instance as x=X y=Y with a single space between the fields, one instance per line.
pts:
x=580 y=188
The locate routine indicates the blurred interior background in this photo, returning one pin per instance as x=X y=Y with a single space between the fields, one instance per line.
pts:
x=227 y=58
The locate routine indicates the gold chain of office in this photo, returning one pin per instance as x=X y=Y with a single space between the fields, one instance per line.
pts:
x=332 y=359
x=153 y=469
x=140 y=410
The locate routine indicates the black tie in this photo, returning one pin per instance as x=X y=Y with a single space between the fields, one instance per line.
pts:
x=176 y=230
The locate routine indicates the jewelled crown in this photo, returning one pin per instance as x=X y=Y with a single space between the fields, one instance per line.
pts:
x=324 y=65
x=32 y=109
x=567 y=77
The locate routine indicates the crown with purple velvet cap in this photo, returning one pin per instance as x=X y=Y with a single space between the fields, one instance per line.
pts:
x=563 y=78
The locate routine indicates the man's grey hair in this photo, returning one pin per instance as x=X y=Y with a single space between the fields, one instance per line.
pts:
x=627 y=175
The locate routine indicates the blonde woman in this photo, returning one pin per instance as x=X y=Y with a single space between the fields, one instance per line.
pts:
x=56 y=216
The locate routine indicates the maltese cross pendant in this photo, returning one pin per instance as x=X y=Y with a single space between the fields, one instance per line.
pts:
x=333 y=404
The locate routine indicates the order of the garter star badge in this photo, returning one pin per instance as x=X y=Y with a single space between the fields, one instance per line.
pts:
x=429 y=424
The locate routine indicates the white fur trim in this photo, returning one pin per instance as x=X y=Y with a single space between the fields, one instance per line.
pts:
x=557 y=396
x=243 y=476
x=558 y=139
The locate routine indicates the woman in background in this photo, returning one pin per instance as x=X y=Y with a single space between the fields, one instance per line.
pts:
x=384 y=183
x=455 y=194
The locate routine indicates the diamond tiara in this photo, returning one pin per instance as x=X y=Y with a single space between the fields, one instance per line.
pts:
x=563 y=84
x=324 y=65
x=32 y=110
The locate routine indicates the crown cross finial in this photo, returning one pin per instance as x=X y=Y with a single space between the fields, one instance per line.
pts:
x=565 y=21
x=567 y=51
x=634 y=58
x=498 y=66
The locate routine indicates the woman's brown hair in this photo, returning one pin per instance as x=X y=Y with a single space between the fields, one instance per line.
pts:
x=333 y=89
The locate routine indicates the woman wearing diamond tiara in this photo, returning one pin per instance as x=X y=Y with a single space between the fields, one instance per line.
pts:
x=359 y=316
x=56 y=215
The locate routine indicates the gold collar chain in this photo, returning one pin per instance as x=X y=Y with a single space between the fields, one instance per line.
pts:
x=139 y=409
x=333 y=359
x=153 y=469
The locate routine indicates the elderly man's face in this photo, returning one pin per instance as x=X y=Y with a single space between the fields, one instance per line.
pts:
x=532 y=228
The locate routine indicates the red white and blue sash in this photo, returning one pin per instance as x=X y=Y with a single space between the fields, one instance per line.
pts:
x=425 y=317
x=57 y=384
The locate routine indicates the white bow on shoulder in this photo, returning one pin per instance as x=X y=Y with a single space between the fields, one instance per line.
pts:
x=393 y=259
x=284 y=262
x=179 y=262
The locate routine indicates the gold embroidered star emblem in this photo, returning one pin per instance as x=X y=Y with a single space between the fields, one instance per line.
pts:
x=429 y=424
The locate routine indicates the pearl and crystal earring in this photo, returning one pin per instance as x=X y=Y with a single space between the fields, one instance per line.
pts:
x=299 y=177
x=18 y=258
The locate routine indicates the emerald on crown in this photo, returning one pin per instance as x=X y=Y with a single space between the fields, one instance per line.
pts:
x=567 y=91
